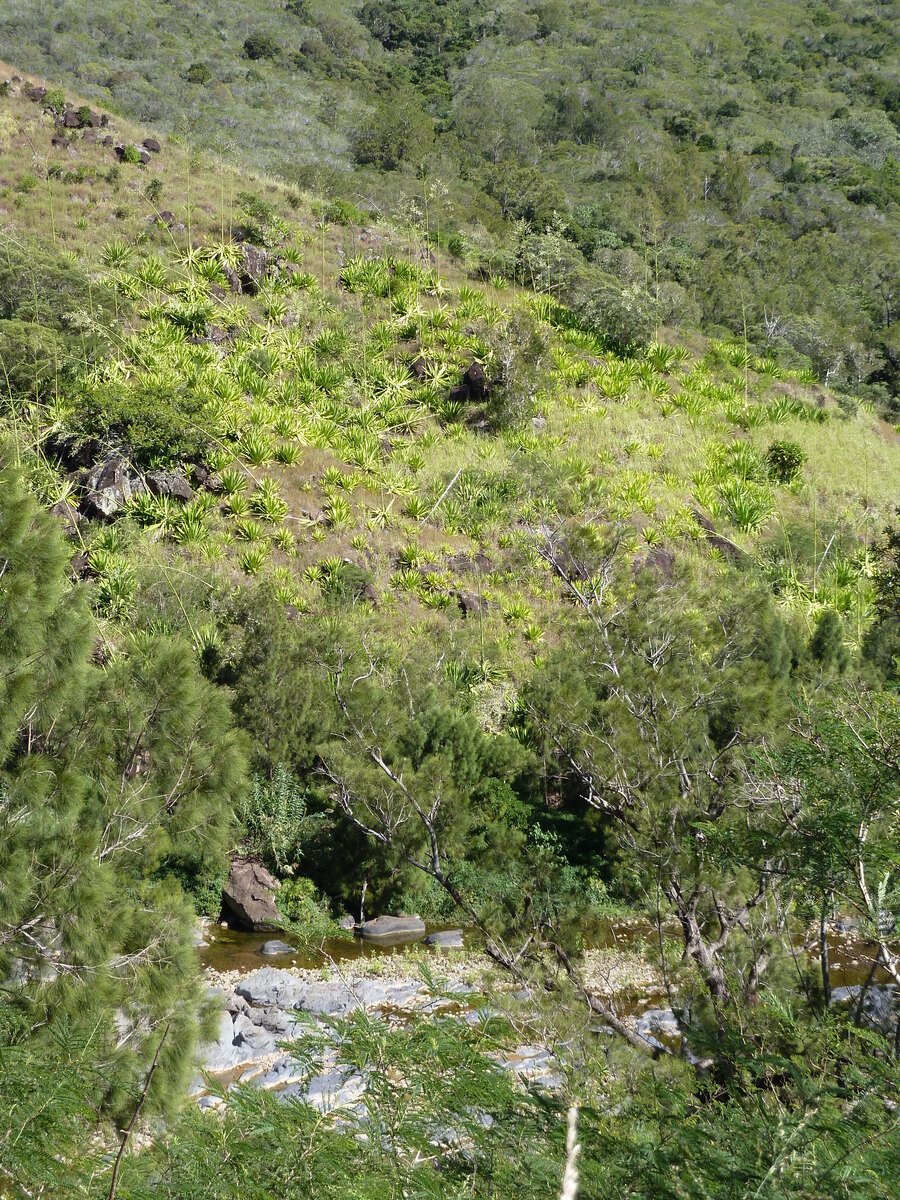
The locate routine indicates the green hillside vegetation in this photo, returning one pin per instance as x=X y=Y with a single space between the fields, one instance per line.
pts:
x=736 y=170
x=459 y=573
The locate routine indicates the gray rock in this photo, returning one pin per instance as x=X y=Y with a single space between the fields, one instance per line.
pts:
x=328 y=999
x=109 y=485
x=285 y=1071
x=249 y=894
x=152 y=144
x=274 y=1019
x=470 y=604
x=271 y=988
x=251 y=1036
x=169 y=483
x=253 y=267
x=878 y=1006
x=447 y=939
x=347 y=922
x=393 y=927
x=334 y=1089
x=67 y=517
x=658 y=1020
x=276 y=947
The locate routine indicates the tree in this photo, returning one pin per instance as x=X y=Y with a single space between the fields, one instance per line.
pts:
x=650 y=722
x=396 y=131
x=881 y=645
x=106 y=772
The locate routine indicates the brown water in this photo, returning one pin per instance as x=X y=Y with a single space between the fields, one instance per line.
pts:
x=234 y=950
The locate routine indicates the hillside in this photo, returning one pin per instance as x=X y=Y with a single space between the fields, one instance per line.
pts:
x=335 y=543
x=739 y=169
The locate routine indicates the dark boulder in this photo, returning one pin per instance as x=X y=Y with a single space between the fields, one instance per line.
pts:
x=60 y=142
x=79 y=566
x=462 y=564
x=67 y=517
x=253 y=267
x=37 y=93
x=470 y=604
x=460 y=394
x=419 y=368
x=659 y=561
x=234 y=281
x=169 y=483
x=152 y=144
x=393 y=927
x=726 y=547
x=108 y=486
x=71 y=119
x=249 y=895
x=476 y=380
x=89 y=135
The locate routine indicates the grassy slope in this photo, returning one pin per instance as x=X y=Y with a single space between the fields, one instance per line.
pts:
x=637 y=443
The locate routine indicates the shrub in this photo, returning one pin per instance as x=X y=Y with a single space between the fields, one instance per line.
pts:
x=276 y=824
x=33 y=359
x=261 y=45
x=131 y=154
x=345 y=212
x=784 y=461
x=198 y=72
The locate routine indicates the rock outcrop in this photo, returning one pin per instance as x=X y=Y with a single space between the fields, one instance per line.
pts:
x=249 y=895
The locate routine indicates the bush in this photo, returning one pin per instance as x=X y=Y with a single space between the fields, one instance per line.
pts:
x=33 y=359
x=627 y=316
x=261 y=45
x=158 y=423
x=784 y=461
x=131 y=154
x=198 y=72
x=276 y=823
x=307 y=911
x=345 y=212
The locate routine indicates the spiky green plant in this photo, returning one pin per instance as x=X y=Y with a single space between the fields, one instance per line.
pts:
x=256 y=447
x=268 y=503
x=748 y=505
x=253 y=558
x=191 y=527
x=248 y=530
x=116 y=254
x=338 y=512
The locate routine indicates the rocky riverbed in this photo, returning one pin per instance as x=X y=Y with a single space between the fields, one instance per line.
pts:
x=266 y=1008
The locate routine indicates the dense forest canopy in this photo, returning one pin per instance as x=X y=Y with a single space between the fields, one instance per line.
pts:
x=449 y=480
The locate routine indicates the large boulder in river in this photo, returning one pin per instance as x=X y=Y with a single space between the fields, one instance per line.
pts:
x=249 y=895
x=276 y=947
x=393 y=927
x=446 y=939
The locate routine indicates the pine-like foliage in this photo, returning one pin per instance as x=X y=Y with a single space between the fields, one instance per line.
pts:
x=104 y=772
